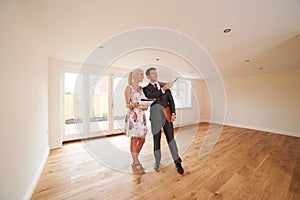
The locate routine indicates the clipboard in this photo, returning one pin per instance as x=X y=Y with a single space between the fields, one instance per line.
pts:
x=147 y=102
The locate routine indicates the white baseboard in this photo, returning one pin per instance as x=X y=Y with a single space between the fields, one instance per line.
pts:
x=57 y=146
x=186 y=124
x=205 y=120
x=282 y=132
x=36 y=178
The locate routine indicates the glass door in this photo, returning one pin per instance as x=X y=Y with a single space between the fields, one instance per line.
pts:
x=72 y=104
x=118 y=103
x=93 y=105
x=99 y=123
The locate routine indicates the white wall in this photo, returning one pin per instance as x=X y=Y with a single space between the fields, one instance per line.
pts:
x=55 y=109
x=269 y=102
x=202 y=99
x=24 y=104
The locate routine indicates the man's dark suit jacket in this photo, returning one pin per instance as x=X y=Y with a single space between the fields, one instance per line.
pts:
x=164 y=99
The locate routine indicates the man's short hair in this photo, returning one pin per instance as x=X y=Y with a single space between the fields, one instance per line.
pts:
x=149 y=69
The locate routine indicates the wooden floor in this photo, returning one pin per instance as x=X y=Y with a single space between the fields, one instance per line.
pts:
x=244 y=164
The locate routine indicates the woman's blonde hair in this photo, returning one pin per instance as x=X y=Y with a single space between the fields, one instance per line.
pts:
x=132 y=74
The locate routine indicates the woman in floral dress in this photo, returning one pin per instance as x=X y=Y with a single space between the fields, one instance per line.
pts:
x=135 y=120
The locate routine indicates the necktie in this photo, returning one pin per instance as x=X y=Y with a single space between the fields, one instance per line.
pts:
x=155 y=85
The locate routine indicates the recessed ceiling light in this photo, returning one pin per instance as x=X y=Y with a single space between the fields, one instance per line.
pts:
x=101 y=47
x=227 y=30
x=260 y=68
x=247 y=60
x=157 y=59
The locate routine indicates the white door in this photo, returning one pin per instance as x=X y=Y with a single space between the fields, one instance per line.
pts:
x=93 y=105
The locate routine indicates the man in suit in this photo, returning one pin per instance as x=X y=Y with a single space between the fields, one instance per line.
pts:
x=163 y=98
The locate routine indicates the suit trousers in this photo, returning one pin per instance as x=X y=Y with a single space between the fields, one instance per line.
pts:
x=169 y=132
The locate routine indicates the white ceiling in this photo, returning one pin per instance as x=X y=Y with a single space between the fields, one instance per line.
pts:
x=266 y=32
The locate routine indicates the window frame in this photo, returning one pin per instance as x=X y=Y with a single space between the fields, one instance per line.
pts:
x=186 y=91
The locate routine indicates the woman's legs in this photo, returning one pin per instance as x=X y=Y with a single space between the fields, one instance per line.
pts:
x=135 y=148
x=139 y=148
x=140 y=144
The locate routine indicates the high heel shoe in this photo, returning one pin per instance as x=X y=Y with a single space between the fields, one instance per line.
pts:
x=142 y=166
x=137 y=168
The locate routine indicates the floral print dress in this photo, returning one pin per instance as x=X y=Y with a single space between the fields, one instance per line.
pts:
x=135 y=119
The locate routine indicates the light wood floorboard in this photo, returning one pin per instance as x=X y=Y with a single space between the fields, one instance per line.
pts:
x=244 y=164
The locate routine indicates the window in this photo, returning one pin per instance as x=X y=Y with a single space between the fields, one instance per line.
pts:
x=72 y=108
x=93 y=105
x=181 y=91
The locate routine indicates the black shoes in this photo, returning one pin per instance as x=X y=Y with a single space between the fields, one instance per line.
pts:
x=180 y=170
x=156 y=165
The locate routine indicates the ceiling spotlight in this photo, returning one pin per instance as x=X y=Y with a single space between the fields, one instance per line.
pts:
x=101 y=47
x=157 y=59
x=247 y=60
x=260 y=68
x=227 y=30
